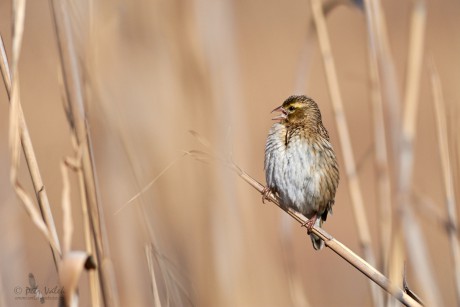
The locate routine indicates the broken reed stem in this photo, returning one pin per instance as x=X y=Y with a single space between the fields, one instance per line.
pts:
x=31 y=160
x=89 y=242
x=452 y=224
x=344 y=137
x=336 y=246
x=78 y=122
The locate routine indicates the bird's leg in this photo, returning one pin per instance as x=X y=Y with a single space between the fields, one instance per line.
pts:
x=310 y=223
x=265 y=193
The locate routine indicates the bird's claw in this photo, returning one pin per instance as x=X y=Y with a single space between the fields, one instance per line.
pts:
x=265 y=194
x=310 y=223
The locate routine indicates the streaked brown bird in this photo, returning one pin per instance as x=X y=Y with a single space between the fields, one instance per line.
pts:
x=300 y=163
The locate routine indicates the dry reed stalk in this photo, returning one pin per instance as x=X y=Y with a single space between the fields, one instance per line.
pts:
x=452 y=224
x=429 y=208
x=143 y=216
x=453 y=114
x=2 y=294
x=415 y=245
x=456 y=155
x=78 y=122
x=19 y=129
x=215 y=32
x=170 y=284
x=379 y=43
x=175 y=292
x=382 y=168
x=65 y=263
x=336 y=246
x=304 y=64
x=308 y=51
x=296 y=288
x=379 y=46
x=150 y=184
x=89 y=243
x=67 y=221
x=150 y=264
x=141 y=209
x=70 y=269
x=73 y=263
x=454 y=139
x=340 y=249
x=344 y=137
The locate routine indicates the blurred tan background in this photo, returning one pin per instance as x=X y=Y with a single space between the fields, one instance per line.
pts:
x=154 y=70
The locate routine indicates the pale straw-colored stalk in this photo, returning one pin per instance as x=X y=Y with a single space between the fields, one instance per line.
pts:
x=441 y=125
x=337 y=247
x=89 y=243
x=413 y=237
x=429 y=208
x=382 y=61
x=151 y=265
x=78 y=121
x=382 y=168
x=379 y=43
x=19 y=133
x=345 y=141
x=73 y=262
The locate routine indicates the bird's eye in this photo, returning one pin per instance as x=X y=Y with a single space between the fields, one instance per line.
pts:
x=291 y=108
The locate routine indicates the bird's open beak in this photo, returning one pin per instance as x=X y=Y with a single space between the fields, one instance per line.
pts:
x=281 y=116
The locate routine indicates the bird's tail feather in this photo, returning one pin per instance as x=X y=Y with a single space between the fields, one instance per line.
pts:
x=318 y=244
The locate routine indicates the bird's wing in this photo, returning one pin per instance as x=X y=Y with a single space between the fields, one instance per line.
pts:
x=323 y=132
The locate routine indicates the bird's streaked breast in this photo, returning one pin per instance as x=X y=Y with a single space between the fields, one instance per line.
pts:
x=298 y=171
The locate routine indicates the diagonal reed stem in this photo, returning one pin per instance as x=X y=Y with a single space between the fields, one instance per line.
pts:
x=336 y=246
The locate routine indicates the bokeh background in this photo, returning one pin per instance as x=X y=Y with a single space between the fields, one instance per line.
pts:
x=153 y=70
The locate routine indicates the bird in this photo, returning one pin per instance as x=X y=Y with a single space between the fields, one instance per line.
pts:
x=300 y=164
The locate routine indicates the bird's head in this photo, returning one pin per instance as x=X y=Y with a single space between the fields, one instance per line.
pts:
x=298 y=110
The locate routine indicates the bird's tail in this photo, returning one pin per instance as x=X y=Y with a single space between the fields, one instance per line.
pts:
x=318 y=244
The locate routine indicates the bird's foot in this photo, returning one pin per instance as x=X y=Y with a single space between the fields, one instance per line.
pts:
x=310 y=223
x=265 y=193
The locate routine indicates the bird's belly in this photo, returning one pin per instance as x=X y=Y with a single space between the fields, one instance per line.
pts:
x=297 y=177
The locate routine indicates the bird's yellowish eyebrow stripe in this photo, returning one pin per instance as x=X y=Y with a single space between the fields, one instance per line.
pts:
x=296 y=104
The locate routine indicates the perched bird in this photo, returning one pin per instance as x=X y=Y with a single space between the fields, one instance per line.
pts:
x=300 y=163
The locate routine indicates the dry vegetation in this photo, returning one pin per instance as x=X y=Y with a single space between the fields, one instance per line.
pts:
x=101 y=193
